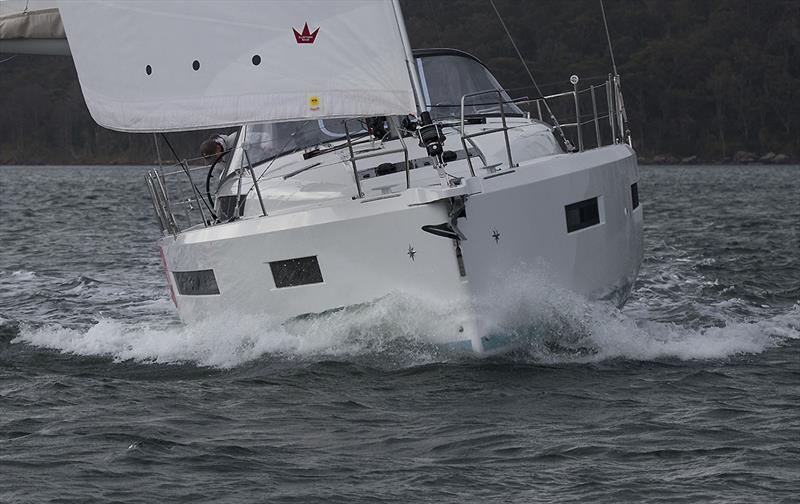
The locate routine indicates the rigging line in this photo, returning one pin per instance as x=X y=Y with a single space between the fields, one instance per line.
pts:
x=618 y=92
x=188 y=174
x=608 y=38
x=280 y=153
x=556 y=124
x=9 y=58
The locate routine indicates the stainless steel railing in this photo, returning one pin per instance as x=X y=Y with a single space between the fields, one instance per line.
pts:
x=175 y=210
x=614 y=112
x=503 y=129
x=382 y=152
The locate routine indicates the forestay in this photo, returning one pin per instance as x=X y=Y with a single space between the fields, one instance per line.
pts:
x=148 y=66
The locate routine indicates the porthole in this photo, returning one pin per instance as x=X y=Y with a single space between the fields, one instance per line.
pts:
x=582 y=214
x=148 y=70
x=196 y=65
x=635 y=195
x=293 y=272
x=196 y=283
x=256 y=60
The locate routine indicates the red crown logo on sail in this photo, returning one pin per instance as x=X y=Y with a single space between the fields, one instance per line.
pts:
x=306 y=37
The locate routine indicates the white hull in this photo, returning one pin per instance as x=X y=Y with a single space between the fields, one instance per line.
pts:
x=368 y=248
x=348 y=181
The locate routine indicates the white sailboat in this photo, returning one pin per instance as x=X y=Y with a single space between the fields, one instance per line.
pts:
x=360 y=167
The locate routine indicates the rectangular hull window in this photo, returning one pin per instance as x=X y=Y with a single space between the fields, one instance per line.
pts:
x=635 y=195
x=582 y=214
x=196 y=283
x=292 y=272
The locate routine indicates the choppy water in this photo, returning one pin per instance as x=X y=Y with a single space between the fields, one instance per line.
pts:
x=690 y=393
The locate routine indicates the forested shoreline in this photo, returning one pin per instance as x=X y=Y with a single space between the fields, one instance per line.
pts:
x=705 y=81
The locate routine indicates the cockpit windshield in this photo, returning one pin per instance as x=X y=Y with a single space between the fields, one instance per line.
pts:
x=266 y=140
x=445 y=78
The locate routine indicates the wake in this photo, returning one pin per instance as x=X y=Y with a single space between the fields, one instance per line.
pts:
x=547 y=324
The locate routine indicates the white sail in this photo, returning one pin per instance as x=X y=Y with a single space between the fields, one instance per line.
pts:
x=31 y=27
x=29 y=19
x=150 y=65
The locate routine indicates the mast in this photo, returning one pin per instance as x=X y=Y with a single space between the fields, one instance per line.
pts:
x=410 y=60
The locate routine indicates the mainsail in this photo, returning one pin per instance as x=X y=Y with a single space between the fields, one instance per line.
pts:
x=148 y=66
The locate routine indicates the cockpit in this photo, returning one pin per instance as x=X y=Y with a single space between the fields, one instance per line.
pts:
x=445 y=76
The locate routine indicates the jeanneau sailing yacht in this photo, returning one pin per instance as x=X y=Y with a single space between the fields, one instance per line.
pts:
x=360 y=167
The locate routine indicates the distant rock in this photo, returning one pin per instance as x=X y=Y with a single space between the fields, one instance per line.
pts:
x=780 y=159
x=744 y=157
x=689 y=160
x=767 y=158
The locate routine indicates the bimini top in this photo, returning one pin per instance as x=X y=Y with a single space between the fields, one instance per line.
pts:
x=150 y=65
x=448 y=74
x=444 y=51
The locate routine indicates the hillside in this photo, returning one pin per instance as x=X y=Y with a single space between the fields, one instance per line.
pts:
x=704 y=78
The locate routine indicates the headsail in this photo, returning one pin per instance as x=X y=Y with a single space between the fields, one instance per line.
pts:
x=31 y=27
x=149 y=65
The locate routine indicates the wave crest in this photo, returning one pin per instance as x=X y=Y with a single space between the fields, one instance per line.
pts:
x=549 y=325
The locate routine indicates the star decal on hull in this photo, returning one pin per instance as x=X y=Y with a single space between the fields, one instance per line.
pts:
x=411 y=252
x=496 y=235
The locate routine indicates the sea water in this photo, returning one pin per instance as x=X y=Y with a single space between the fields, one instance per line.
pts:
x=690 y=393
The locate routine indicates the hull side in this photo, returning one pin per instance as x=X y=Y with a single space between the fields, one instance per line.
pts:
x=368 y=249
x=519 y=220
x=361 y=258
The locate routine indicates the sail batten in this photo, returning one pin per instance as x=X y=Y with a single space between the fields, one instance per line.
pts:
x=151 y=66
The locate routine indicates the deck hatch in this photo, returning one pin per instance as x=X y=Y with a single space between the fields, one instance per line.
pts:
x=582 y=214
x=196 y=283
x=635 y=195
x=293 y=272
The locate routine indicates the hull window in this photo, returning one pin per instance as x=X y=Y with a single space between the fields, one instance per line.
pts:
x=196 y=283
x=635 y=195
x=582 y=214
x=293 y=272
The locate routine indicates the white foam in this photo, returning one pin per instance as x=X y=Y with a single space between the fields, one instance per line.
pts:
x=647 y=341
x=582 y=330
x=230 y=341
x=554 y=324
x=20 y=275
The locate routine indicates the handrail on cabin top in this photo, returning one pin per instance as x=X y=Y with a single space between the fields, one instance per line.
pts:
x=614 y=114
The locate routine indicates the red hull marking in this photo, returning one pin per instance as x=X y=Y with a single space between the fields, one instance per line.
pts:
x=166 y=273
